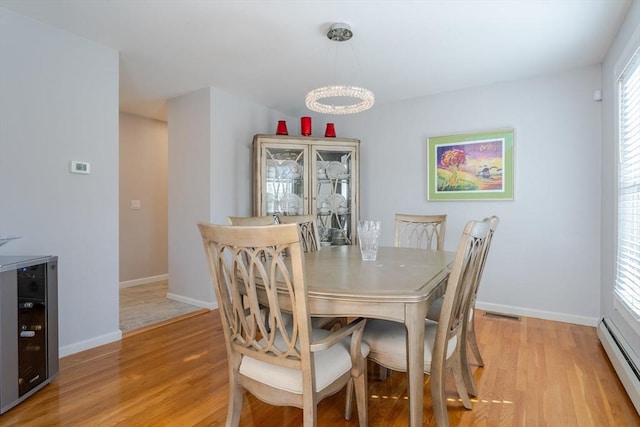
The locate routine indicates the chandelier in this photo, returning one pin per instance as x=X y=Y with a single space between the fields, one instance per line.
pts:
x=358 y=99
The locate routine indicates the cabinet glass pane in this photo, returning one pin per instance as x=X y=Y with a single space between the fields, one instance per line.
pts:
x=284 y=181
x=334 y=195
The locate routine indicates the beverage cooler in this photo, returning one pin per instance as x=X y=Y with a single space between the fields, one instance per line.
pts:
x=28 y=326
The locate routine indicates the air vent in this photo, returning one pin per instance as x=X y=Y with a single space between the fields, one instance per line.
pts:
x=501 y=316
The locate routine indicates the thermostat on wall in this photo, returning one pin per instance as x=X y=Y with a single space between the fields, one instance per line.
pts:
x=80 y=167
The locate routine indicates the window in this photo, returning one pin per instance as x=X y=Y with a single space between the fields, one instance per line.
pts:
x=627 y=285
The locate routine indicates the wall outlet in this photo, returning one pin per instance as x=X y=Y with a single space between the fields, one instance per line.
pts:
x=80 y=167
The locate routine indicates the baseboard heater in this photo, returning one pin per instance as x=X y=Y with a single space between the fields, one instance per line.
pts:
x=623 y=359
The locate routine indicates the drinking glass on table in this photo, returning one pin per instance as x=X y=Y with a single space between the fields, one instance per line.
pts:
x=368 y=236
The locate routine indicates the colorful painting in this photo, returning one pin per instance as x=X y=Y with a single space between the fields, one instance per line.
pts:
x=477 y=166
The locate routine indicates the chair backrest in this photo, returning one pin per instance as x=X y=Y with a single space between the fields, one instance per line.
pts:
x=492 y=221
x=309 y=237
x=461 y=279
x=252 y=220
x=246 y=262
x=420 y=231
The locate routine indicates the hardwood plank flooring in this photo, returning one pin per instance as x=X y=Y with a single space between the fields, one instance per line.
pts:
x=537 y=373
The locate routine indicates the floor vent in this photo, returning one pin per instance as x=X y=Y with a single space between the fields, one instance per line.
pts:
x=501 y=316
x=622 y=357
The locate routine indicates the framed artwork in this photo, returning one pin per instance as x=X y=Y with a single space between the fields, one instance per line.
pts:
x=471 y=166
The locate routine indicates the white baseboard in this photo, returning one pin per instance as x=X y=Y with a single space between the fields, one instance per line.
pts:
x=86 y=345
x=143 y=281
x=538 y=314
x=191 y=301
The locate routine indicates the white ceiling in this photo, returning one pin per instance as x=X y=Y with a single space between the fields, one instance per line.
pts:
x=274 y=52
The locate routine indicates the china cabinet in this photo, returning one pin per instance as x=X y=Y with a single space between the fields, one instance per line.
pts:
x=298 y=175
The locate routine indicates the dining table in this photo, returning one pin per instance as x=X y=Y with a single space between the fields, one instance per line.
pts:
x=399 y=285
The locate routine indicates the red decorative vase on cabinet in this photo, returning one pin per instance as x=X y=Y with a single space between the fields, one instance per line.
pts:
x=282 y=128
x=305 y=126
x=330 y=132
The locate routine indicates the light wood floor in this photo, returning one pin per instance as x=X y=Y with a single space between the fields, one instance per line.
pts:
x=537 y=373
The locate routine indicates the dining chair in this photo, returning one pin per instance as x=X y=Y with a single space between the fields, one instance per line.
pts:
x=442 y=339
x=307 y=225
x=310 y=240
x=493 y=224
x=436 y=307
x=281 y=364
x=252 y=220
x=420 y=231
x=470 y=323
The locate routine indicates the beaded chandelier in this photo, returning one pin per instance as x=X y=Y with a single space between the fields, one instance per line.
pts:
x=319 y=99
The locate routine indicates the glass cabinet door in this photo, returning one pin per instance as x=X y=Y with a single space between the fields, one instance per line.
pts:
x=335 y=194
x=309 y=176
x=285 y=189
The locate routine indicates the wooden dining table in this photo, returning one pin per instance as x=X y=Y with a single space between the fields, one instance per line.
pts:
x=399 y=286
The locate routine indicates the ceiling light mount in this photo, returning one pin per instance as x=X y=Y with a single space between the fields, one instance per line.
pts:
x=364 y=99
x=340 y=32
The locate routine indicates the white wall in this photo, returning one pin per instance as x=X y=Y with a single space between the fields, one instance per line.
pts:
x=59 y=102
x=143 y=176
x=628 y=36
x=545 y=259
x=210 y=134
x=189 y=125
x=234 y=123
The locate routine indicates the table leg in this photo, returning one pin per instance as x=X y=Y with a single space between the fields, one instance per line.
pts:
x=414 y=321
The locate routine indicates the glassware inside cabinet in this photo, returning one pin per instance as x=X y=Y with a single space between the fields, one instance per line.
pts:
x=284 y=180
x=334 y=196
x=309 y=175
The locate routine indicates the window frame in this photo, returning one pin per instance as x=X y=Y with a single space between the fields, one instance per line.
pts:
x=631 y=57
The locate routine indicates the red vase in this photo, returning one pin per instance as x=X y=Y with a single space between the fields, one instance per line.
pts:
x=282 y=128
x=330 y=132
x=305 y=126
